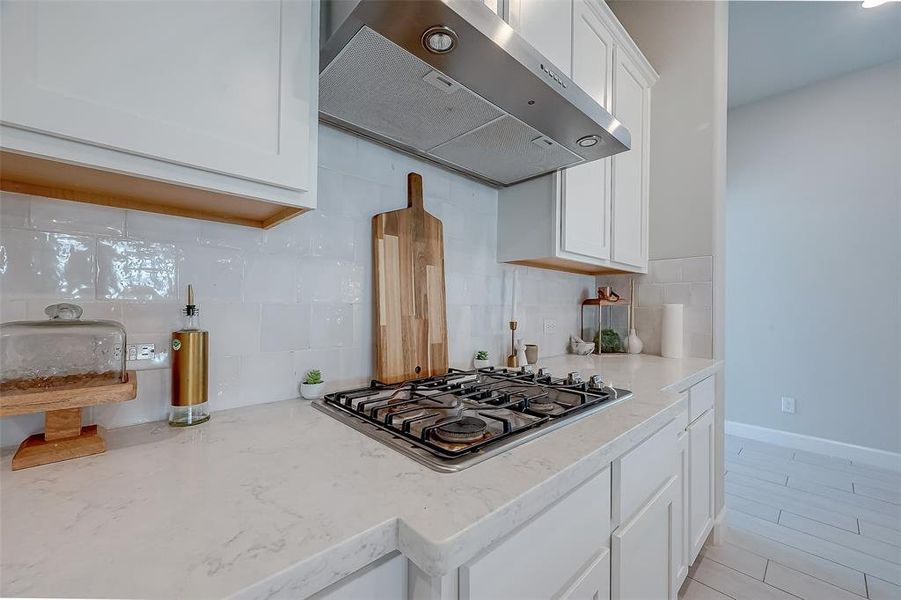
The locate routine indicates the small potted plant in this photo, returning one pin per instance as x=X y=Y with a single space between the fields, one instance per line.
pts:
x=481 y=360
x=311 y=388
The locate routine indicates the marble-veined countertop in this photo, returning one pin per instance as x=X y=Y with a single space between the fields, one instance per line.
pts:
x=281 y=500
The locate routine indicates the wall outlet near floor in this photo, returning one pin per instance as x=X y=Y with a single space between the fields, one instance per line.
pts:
x=550 y=325
x=788 y=405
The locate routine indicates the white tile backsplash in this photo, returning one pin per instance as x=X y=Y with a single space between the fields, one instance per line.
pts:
x=136 y=270
x=219 y=272
x=277 y=302
x=78 y=217
x=46 y=265
x=686 y=281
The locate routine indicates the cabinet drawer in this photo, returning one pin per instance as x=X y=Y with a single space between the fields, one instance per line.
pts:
x=593 y=583
x=642 y=470
x=543 y=556
x=701 y=397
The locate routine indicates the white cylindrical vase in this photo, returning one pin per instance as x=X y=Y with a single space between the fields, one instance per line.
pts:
x=671 y=331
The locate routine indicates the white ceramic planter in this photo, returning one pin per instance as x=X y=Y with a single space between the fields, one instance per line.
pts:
x=311 y=391
x=480 y=364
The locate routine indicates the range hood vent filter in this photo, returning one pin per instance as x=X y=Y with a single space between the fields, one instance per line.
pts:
x=505 y=151
x=377 y=86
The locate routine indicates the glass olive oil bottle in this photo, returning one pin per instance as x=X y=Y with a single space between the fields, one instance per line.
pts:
x=190 y=366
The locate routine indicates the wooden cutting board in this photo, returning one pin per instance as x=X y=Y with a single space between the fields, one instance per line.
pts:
x=408 y=271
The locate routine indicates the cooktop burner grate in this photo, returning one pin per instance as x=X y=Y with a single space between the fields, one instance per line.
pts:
x=465 y=414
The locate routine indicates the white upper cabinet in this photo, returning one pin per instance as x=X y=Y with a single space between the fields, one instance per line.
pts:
x=215 y=95
x=631 y=106
x=585 y=203
x=594 y=216
x=547 y=26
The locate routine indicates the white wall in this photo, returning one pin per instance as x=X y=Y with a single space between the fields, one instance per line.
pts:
x=813 y=305
x=277 y=302
x=680 y=41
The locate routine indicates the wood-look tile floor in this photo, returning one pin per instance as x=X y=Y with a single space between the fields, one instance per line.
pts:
x=802 y=525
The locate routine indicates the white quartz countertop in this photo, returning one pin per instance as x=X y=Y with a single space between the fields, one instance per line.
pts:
x=281 y=500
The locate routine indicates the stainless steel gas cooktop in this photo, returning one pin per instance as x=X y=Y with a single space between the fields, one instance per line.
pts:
x=453 y=421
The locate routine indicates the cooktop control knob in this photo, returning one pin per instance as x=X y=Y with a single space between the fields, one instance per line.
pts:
x=574 y=378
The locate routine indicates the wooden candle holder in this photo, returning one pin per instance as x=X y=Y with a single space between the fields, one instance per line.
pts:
x=63 y=436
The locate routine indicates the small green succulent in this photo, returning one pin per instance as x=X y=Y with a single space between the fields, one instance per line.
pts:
x=482 y=355
x=312 y=377
x=610 y=341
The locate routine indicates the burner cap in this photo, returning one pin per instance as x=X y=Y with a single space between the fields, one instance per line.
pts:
x=549 y=408
x=467 y=429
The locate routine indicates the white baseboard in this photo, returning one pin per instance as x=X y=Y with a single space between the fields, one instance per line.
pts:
x=799 y=441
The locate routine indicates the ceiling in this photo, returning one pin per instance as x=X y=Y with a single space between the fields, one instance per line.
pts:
x=778 y=46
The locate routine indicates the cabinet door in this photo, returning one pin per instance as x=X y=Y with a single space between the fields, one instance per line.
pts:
x=644 y=549
x=227 y=87
x=680 y=531
x=630 y=195
x=547 y=26
x=586 y=193
x=700 y=473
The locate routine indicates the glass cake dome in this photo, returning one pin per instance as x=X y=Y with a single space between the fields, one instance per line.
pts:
x=62 y=352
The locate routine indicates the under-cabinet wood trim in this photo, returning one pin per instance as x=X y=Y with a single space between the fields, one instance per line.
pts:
x=38 y=176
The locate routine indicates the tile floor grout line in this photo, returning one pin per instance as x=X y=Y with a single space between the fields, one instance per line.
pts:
x=813 y=553
x=819 y=537
x=781 y=510
x=709 y=587
x=776 y=587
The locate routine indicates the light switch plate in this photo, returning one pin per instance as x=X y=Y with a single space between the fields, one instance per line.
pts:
x=788 y=405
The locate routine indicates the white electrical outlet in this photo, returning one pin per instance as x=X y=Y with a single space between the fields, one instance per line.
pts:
x=550 y=325
x=788 y=405
x=144 y=356
x=141 y=351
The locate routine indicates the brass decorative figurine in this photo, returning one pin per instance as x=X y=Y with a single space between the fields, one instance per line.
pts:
x=511 y=359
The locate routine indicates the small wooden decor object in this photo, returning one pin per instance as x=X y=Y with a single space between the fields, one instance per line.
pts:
x=63 y=436
x=408 y=271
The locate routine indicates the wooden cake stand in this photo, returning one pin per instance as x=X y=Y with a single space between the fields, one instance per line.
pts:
x=63 y=436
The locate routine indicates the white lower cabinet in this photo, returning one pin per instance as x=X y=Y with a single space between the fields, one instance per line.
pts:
x=647 y=546
x=682 y=558
x=594 y=582
x=548 y=555
x=701 y=481
x=385 y=578
x=644 y=549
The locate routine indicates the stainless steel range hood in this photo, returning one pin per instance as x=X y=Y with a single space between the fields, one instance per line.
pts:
x=450 y=81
